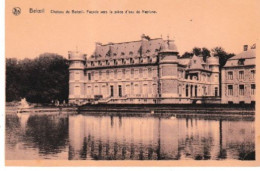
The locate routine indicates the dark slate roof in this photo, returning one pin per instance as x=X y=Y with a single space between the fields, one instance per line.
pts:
x=250 y=53
x=249 y=57
x=128 y=49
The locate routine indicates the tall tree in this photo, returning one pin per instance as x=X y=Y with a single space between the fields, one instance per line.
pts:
x=222 y=54
x=40 y=80
x=196 y=51
x=186 y=55
x=205 y=53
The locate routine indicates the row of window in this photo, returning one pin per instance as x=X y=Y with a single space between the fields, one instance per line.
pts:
x=129 y=89
x=240 y=75
x=123 y=61
x=241 y=90
x=122 y=74
x=192 y=91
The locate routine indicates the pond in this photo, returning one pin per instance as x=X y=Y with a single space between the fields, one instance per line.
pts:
x=72 y=136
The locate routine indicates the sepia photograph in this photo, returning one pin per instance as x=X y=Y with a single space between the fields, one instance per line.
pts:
x=131 y=83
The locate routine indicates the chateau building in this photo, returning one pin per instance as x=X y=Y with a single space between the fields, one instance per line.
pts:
x=144 y=71
x=238 y=77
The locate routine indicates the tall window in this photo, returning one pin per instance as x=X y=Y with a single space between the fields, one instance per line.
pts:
x=111 y=91
x=230 y=90
x=241 y=75
x=141 y=72
x=89 y=76
x=132 y=73
x=253 y=74
x=252 y=89
x=115 y=73
x=216 y=91
x=100 y=74
x=187 y=90
x=230 y=75
x=120 y=91
x=123 y=73
x=241 y=90
x=149 y=72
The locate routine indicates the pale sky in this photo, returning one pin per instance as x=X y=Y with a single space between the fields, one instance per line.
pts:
x=200 y=23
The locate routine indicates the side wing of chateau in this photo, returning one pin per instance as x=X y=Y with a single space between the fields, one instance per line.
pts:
x=238 y=77
x=147 y=71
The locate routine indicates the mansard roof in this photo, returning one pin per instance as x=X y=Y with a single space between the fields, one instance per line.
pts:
x=131 y=49
x=250 y=53
x=248 y=57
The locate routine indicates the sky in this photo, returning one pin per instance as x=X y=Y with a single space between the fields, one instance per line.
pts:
x=191 y=23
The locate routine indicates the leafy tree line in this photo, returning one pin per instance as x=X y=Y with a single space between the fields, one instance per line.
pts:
x=39 y=80
x=218 y=51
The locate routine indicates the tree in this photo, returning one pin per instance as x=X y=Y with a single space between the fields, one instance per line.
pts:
x=196 y=51
x=222 y=54
x=187 y=55
x=40 y=80
x=205 y=53
x=12 y=75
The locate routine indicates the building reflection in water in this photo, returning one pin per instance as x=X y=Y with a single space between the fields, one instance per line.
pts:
x=151 y=138
x=84 y=137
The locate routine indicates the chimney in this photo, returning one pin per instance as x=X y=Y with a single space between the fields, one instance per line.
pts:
x=145 y=37
x=245 y=47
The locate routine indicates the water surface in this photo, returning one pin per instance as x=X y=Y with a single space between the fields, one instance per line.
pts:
x=74 y=136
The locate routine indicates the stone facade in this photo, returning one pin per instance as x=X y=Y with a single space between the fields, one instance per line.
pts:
x=238 y=78
x=145 y=71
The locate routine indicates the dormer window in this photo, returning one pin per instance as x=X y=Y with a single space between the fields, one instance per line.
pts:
x=140 y=60
x=123 y=61
x=131 y=53
x=148 y=51
x=122 y=53
x=131 y=61
x=99 y=63
x=92 y=63
x=241 y=62
x=115 y=62
x=114 y=54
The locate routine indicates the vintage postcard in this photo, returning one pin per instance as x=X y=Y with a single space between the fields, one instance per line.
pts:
x=131 y=83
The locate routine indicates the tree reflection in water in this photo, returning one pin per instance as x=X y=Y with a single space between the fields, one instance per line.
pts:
x=84 y=137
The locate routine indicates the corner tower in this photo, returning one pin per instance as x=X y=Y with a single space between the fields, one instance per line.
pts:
x=77 y=63
x=213 y=63
x=168 y=70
